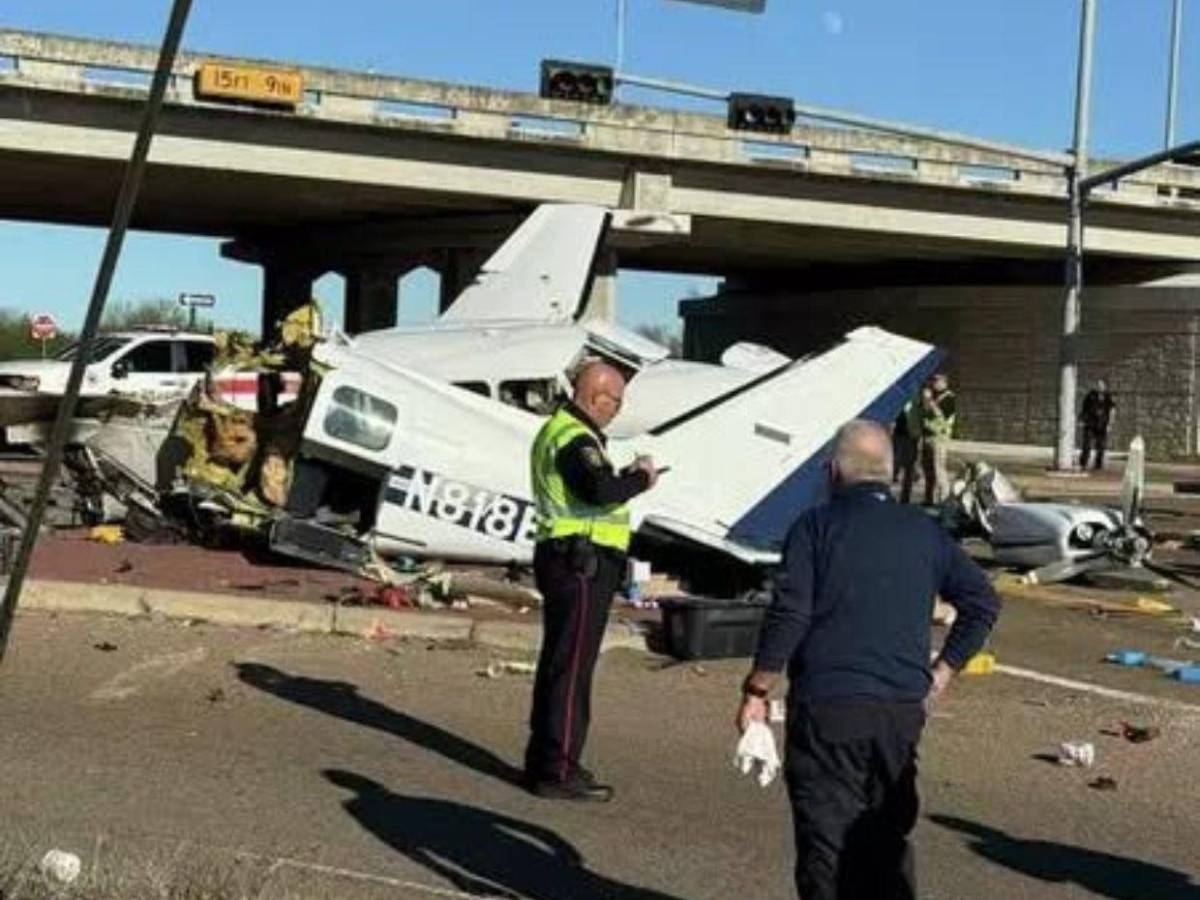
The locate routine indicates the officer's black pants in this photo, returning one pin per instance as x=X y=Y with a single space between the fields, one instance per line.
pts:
x=1093 y=437
x=574 y=615
x=851 y=778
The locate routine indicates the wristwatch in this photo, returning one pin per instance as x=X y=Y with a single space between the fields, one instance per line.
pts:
x=751 y=690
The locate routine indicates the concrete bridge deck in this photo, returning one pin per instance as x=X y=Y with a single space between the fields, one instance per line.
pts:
x=365 y=160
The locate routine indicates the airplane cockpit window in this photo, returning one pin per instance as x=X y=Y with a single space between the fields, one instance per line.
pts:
x=535 y=395
x=360 y=419
x=475 y=387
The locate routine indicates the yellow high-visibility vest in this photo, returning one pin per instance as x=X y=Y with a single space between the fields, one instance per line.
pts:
x=936 y=425
x=561 y=513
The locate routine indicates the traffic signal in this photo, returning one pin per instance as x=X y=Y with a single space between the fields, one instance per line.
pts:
x=581 y=82
x=756 y=112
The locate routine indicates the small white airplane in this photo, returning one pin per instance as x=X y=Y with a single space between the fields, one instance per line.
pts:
x=1059 y=541
x=424 y=432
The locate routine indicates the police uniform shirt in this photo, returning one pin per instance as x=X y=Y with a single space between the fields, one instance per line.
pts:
x=589 y=475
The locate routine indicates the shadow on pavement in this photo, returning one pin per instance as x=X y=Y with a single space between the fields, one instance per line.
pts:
x=477 y=851
x=1105 y=875
x=342 y=699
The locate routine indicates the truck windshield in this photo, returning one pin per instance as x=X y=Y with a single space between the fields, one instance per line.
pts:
x=102 y=348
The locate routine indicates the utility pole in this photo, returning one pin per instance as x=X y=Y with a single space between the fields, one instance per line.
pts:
x=1064 y=448
x=122 y=212
x=1173 y=73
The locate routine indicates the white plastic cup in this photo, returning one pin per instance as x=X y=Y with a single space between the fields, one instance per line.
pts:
x=60 y=866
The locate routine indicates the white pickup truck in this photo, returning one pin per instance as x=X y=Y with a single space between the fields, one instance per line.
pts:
x=146 y=363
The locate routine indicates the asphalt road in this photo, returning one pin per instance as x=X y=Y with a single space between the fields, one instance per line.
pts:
x=306 y=766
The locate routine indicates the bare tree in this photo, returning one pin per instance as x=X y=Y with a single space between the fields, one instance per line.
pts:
x=668 y=337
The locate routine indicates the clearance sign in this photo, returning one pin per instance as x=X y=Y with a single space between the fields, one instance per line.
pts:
x=228 y=82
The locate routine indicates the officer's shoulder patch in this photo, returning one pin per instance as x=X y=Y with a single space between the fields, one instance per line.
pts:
x=593 y=457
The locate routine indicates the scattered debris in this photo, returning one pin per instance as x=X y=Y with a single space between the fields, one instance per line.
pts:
x=105 y=647
x=1179 y=669
x=107 y=534
x=1126 y=657
x=394 y=597
x=699 y=670
x=125 y=566
x=980 y=664
x=1077 y=753
x=1139 y=734
x=507 y=667
x=1103 y=783
x=216 y=695
x=466 y=585
x=1189 y=674
x=1152 y=606
x=377 y=631
x=60 y=866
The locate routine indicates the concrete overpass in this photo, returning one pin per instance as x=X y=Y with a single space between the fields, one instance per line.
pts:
x=372 y=175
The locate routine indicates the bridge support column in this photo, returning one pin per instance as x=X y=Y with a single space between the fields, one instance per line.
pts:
x=458 y=271
x=601 y=303
x=372 y=295
x=286 y=287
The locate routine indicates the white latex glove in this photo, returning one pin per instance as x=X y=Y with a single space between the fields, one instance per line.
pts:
x=757 y=748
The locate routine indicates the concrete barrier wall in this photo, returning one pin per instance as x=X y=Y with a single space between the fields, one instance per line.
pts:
x=1003 y=345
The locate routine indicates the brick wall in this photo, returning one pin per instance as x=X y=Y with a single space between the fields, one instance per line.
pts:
x=1003 y=348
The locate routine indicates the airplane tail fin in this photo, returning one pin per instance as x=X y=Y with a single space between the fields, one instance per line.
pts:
x=542 y=273
x=744 y=465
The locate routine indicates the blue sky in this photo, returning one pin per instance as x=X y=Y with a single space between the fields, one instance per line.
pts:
x=1002 y=69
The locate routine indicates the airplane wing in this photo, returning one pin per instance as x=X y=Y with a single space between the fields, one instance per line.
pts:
x=745 y=464
x=542 y=273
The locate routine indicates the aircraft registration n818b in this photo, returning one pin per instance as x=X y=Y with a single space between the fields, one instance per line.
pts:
x=421 y=435
x=441 y=417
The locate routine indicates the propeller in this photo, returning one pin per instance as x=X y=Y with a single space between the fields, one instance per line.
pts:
x=1062 y=569
x=1133 y=482
x=1171 y=574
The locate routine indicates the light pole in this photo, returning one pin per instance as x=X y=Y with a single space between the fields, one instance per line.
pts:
x=1173 y=73
x=1064 y=448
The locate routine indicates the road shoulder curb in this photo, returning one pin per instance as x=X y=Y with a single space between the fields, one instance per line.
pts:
x=265 y=612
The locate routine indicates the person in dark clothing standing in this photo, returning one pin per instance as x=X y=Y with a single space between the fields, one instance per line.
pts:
x=579 y=561
x=906 y=438
x=851 y=621
x=1096 y=418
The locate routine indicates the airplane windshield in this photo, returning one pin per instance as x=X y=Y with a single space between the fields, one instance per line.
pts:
x=102 y=348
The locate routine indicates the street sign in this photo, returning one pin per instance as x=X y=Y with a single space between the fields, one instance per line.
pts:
x=750 y=6
x=193 y=302
x=230 y=82
x=42 y=327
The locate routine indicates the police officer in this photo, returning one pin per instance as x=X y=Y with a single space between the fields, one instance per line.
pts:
x=1097 y=418
x=939 y=412
x=579 y=561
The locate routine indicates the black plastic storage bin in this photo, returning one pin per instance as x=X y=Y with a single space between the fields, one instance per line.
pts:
x=706 y=628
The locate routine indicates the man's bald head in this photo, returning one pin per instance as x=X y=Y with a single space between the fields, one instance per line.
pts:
x=599 y=391
x=862 y=452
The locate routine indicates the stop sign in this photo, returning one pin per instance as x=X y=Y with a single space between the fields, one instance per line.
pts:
x=42 y=327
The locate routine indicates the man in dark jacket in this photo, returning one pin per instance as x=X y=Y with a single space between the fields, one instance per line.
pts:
x=850 y=619
x=1096 y=418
